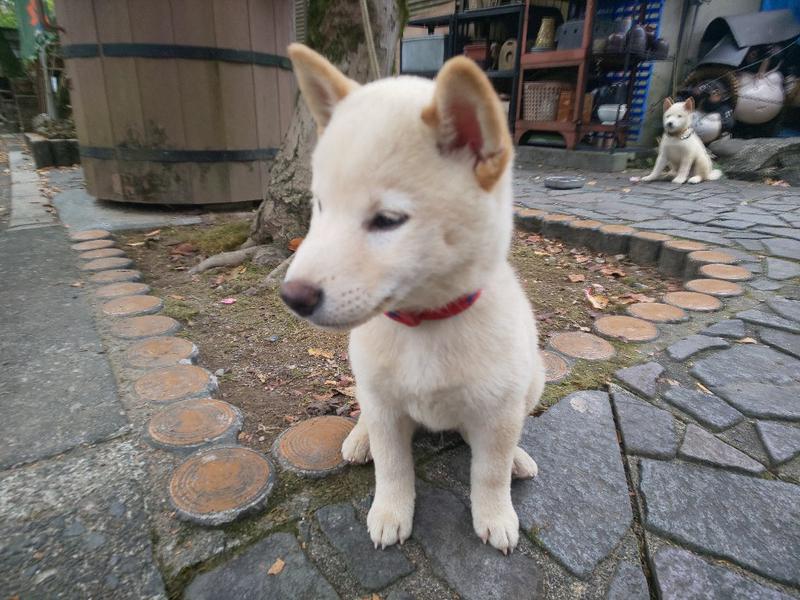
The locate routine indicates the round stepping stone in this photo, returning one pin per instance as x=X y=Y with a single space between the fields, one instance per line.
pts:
x=132 y=306
x=644 y=247
x=657 y=312
x=714 y=287
x=101 y=253
x=161 y=352
x=586 y=232
x=614 y=239
x=556 y=368
x=191 y=424
x=217 y=485
x=672 y=258
x=313 y=447
x=136 y=328
x=104 y=264
x=727 y=272
x=116 y=275
x=90 y=234
x=578 y=344
x=93 y=245
x=175 y=383
x=530 y=219
x=124 y=288
x=698 y=258
x=693 y=301
x=556 y=225
x=627 y=329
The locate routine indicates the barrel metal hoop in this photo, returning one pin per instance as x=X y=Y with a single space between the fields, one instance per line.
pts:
x=176 y=156
x=125 y=50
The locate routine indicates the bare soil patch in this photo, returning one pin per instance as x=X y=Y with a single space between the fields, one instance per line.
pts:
x=279 y=370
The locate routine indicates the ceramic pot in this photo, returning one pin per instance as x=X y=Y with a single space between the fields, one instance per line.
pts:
x=760 y=97
x=707 y=126
x=608 y=113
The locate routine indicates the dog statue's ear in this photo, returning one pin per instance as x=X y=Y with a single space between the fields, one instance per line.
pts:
x=689 y=104
x=466 y=113
x=322 y=85
x=667 y=103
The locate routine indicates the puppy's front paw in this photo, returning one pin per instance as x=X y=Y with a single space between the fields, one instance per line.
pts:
x=390 y=522
x=648 y=178
x=497 y=525
x=355 y=448
x=679 y=180
x=695 y=179
x=524 y=466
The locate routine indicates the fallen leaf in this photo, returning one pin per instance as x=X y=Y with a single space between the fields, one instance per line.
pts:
x=177 y=297
x=228 y=301
x=702 y=387
x=135 y=244
x=218 y=280
x=76 y=284
x=153 y=233
x=747 y=340
x=350 y=391
x=597 y=301
x=184 y=249
x=576 y=277
x=294 y=244
x=612 y=272
x=319 y=352
x=276 y=567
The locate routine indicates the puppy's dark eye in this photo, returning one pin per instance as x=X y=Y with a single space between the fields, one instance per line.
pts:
x=386 y=221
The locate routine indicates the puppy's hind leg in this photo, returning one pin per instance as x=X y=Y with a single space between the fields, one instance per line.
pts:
x=355 y=448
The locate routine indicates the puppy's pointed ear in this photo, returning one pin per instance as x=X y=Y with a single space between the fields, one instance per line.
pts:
x=322 y=85
x=667 y=103
x=689 y=104
x=466 y=113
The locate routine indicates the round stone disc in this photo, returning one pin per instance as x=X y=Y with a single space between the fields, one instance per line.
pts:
x=585 y=224
x=124 y=288
x=685 y=245
x=101 y=253
x=313 y=447
x=93 y=245
x=556 y=368
x=530 y=212
x=161 y=352
x=657 y=312
x=714 y=287
x=89 y=234
x=131 y=306
x=618 y=229
x=578 y=344
x=116 y=275
x=627 y=329
x=556 y=218
x=190 y=424
x=727 y=272
x=712 y=256
x=693 y=301
x=652 y=236
x=104 y=264
x=217 y=485
x=143 y=327
x=175 y=383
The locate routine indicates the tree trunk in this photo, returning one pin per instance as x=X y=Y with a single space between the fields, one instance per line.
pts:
x=335 y=29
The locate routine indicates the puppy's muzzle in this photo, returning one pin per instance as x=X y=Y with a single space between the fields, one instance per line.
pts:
x=301 y=296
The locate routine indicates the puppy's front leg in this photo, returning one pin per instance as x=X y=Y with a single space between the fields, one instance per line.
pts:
x=658 y=168
x=684 y=170
x=392 y=514
x=493 y=515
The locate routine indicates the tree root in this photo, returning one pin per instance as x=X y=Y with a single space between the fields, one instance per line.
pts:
x=225 y=259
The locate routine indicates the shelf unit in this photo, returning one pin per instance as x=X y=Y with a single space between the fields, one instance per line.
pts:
x=458 y=23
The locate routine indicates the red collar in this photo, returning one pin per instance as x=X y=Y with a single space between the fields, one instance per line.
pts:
x=412 y=319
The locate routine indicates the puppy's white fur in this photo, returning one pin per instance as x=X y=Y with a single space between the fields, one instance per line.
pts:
x=440 y=154
x=687 y=158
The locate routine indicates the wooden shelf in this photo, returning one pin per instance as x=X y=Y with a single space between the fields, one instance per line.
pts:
x=603 y=128
x=557 y=126
x=552 y=59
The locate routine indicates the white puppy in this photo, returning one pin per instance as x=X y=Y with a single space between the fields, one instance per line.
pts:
x=410 y=230
x=681 y=149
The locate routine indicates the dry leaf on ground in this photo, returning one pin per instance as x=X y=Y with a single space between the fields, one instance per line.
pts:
x=319 y=352
x=294 y=244
x=276 y=567
x=598 y=301
x=576 y=277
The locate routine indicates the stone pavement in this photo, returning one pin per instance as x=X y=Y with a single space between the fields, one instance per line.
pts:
x=679 y=480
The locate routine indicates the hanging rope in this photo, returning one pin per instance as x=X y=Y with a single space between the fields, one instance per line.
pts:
x=373 y=56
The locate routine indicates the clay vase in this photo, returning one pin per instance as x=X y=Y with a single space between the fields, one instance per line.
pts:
x=637 y=39
x=546 y=38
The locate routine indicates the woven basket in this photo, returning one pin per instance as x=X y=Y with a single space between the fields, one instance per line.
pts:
x=540 y=100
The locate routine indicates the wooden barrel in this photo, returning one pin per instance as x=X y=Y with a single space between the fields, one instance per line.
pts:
x=178 y=101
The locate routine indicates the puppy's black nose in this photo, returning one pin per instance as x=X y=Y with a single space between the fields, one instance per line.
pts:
x=301 y=296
